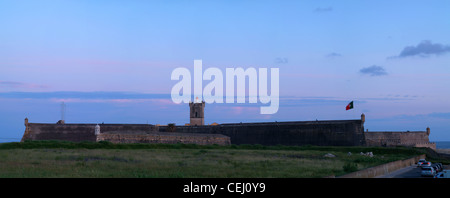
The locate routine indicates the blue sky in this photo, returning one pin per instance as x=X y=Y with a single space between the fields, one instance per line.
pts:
x=111 y=61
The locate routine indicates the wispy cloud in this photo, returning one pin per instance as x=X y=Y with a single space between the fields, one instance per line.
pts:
x=160 y=100
x=14 y=84
x=127 y=97
x=327 y=9
x=442 y=115
x=84 y=95
x=373 y=70
x=84 y=100
x=423 y=49
x=333 y=55
x=236 y=110
x=433 y=115
x=281 y=60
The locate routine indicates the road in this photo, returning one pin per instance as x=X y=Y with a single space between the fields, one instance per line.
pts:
x=407 y=172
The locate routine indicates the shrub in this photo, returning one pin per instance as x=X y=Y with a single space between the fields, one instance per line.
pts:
x=350 y=167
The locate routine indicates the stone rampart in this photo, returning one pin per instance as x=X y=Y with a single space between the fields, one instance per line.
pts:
x=165 y=138
x=79 y=132
x=116 y=133
x=321 y=133
x=389 y=138
x=67 y=132
x=431 y=145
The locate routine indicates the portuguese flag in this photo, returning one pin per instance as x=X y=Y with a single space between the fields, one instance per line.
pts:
x=349 y=106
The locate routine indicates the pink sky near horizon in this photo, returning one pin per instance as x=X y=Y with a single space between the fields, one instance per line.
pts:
x=133 y=46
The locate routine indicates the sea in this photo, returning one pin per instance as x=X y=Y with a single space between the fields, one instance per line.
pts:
x=443 y=145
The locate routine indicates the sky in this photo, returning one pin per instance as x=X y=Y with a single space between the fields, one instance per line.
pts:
x=111 y=61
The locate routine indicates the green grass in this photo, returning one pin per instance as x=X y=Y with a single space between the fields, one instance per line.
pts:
x=104 y=160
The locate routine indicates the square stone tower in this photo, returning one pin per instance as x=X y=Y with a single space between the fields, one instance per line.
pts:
x=197 y=114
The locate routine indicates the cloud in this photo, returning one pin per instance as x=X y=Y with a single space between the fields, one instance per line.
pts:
x=14 y=84
x=311 y=101
x=432 y=115
x=281 y=60
x=161 y=100
x=373 y=70
x=424 y=49
x=333 y=54
x=327 y=9
x=236 y=110
x=84 y=95
x=444 y=115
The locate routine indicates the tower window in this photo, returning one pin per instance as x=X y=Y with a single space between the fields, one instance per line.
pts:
x=196 y=115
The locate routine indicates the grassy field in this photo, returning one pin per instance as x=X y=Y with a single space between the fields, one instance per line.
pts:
x=44 y=159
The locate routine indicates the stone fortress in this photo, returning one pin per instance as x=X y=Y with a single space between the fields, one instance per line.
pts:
x=321 y=133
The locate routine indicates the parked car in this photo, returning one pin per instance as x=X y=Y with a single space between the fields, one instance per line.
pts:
x=437 y=167
x=425 y=164
x=428 y=171
x=420 y=162
x=441 y=167
x=443 y=174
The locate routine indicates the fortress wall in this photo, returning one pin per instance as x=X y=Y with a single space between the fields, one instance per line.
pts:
x=67 y=132
x=431 y=145
x=166 y=138
x=322 y=133
x=116 y=133
x=127 y=128
x=79 y=132
x=415 y=139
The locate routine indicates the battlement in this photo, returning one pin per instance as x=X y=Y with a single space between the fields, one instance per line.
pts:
x=165 y=138
x=399 y=138
x=116 y=133
x=326 y=132
x=295 y=133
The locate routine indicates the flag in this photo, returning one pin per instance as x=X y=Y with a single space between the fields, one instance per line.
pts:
x=349 y=106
